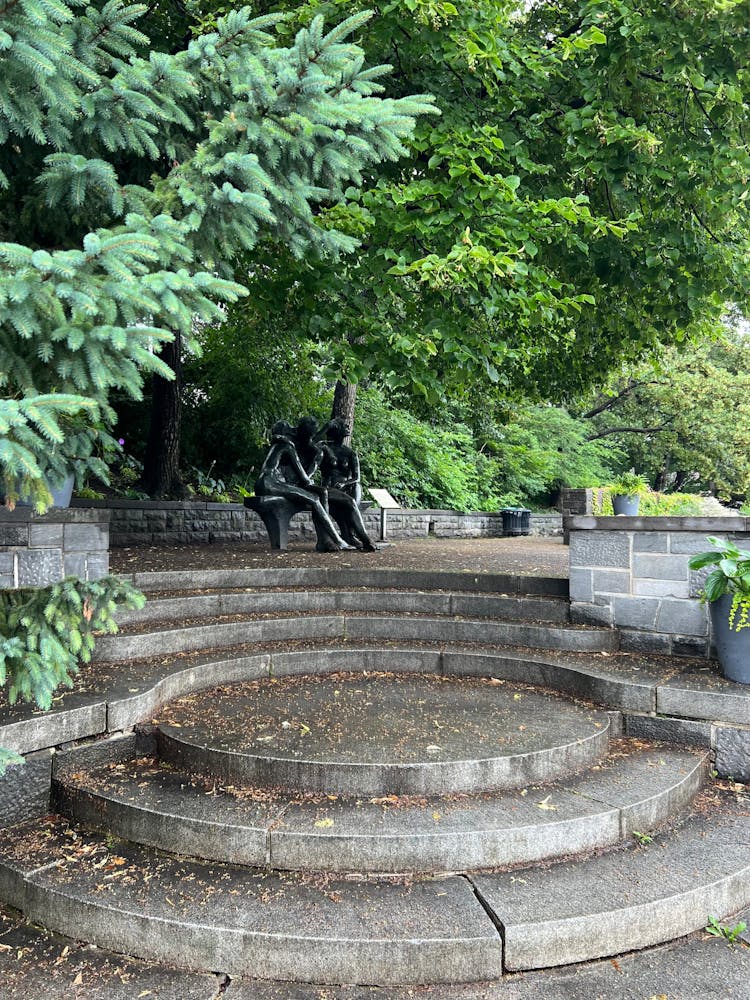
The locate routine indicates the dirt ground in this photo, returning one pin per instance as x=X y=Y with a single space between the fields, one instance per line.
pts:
x=526 y=556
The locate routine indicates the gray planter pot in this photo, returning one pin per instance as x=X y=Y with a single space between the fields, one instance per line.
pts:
x=61 y=494
x=626 y=504
x=732 y=647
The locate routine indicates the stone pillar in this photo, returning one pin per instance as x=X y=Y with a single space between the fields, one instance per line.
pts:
x=632 y=573
x=574 y=503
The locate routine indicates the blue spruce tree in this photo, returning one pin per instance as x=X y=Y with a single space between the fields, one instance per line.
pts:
x=130 y=181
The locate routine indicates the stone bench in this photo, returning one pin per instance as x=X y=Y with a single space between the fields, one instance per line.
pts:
x=275 y=513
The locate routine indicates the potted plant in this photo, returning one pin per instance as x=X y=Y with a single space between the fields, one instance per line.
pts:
x=727 y=590
x=626 y=493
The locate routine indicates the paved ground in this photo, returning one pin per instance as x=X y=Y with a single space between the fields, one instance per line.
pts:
x=527 y=556
x=42 y=966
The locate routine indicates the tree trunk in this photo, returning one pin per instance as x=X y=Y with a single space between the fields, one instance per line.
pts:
x=161 y=468
x=344 y=401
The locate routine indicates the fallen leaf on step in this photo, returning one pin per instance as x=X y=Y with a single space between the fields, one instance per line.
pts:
x=546 y=804
x=324 y=823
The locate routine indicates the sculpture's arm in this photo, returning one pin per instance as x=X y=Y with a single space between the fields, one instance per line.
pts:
x=297 y=465
x=355 y=468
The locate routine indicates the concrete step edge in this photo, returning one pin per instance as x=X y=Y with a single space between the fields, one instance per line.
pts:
x=491 y=606
x=629 y=899
x=163 y=641
x=443 y=777
x=336 y=576
x=538 y=931
x=184 y=827
x=245 y=921
x=635 y=695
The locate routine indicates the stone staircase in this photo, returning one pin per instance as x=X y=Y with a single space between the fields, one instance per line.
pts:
x=377 y=777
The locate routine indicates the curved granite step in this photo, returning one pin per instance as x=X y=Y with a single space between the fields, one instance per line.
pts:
x=628 y=899
x=340 y=576
x=233 y=602
x=380 y=734
x=190 y=637
x=247 y=921
x=317 y=928
x=118 y=695
x=152 y=804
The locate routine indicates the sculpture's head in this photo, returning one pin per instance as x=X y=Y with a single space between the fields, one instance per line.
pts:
x=282 y=429
x=337 y=430
x=306 y=429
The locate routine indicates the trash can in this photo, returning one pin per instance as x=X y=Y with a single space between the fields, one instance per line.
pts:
x=516 y=521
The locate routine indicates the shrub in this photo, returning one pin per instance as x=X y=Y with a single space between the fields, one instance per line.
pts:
x=46 y=632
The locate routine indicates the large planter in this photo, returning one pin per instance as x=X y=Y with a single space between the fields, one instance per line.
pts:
x=61 y=494
x=732 y=647
x=626 y=503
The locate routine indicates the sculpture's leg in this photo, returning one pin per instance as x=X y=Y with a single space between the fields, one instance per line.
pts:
x=342 y=523
x=329 y=540
x=349 y=518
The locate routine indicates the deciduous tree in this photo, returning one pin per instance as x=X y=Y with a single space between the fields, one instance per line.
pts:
x=581 y=200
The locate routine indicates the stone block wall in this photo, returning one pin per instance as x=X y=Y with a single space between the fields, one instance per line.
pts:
x=38 y=550
x=578 y=502
x=138 y=522
x=632 y=573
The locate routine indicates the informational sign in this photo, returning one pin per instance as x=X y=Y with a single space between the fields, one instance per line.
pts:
x=383 y=499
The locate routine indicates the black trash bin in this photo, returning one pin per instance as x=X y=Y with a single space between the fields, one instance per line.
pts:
x=516 y=521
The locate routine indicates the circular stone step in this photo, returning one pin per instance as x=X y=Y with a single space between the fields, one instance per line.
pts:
x=632 y=788
x=381 y=734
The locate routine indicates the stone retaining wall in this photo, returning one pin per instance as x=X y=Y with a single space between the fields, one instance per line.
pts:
x=632 y=573
x=139 y=522
x=38 y=550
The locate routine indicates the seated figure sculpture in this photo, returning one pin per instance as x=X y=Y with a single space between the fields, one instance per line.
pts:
x=339 y=470
x=339 y=464
x=283 y=474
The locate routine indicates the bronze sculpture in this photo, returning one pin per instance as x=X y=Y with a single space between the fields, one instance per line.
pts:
x=285 y=485
x=284 y=475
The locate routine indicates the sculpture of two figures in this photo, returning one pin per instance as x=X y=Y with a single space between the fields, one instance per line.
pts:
x=295 y=456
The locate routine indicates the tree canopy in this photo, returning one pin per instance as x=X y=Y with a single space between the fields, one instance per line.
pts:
x=581 y=200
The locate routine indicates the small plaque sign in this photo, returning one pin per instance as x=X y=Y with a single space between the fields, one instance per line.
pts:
x=384 y=499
